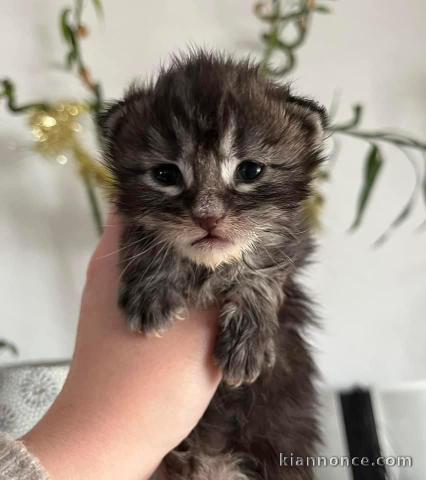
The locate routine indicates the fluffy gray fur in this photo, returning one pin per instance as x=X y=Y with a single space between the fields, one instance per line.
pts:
x=215 y=236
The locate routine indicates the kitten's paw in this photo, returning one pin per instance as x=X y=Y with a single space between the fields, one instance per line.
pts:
x=150 y=317
x=239 y=351
x=240 y=367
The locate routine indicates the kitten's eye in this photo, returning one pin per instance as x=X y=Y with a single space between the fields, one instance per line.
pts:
x=248 y=171
x=167 y=174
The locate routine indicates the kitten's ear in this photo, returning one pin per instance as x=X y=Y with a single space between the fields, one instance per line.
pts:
x=110 y=118
x=312 y=113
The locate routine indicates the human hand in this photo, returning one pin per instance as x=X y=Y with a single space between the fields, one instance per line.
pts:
x=128 y=399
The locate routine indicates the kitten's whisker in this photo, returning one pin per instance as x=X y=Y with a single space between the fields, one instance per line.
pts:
x=149 y=246
x=164 y=257
x=275 y=264
x=132 y=259
x=121 y=249
x=166 y=247
x=285 y=230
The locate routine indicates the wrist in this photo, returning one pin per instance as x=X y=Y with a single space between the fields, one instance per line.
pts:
x=72 y=442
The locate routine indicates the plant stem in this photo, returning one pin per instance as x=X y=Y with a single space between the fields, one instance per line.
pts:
x=93 y=200
x=275 y=40
x=10 y=95
x=383 y=136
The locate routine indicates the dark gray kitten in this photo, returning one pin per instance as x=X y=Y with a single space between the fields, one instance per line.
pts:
x=213 y=164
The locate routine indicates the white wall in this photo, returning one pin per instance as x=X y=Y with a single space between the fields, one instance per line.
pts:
x=373 y=302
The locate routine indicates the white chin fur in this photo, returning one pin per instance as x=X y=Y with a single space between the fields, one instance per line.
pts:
x=212 y=257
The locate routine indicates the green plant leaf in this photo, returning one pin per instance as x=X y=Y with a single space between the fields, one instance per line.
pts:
x=4 y=344
x=357 y=110
x=71 y=58
x=322 y=9
x=98 y=7
x=373 y=164
x=66 y=29
x=400 y=218
x=8 y=88
x=405 y=212
x=10 y=96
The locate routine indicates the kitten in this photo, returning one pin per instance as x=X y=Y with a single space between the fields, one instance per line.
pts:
x=213 y=163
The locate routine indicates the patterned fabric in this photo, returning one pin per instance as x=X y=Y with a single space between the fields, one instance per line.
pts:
x=17 y=463
x=26 y=392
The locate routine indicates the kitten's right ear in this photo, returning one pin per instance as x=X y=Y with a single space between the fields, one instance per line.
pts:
x=109 y=119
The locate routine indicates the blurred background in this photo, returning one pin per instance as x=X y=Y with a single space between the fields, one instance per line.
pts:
x=372 y=301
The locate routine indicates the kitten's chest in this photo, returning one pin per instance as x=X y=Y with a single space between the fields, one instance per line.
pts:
x=210 y=286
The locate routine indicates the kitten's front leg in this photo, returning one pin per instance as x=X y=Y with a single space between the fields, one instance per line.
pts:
x=248 y=322
x=150 y=309
x=150 y=294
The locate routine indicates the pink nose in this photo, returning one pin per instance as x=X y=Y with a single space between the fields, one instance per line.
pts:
x=207 y=223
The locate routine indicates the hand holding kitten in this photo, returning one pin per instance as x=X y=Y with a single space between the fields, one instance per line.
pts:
x=128 y=400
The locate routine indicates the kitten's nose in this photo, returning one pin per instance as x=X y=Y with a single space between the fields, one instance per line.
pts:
x=207 y=223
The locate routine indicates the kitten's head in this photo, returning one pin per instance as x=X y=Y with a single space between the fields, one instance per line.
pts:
x=213 y=158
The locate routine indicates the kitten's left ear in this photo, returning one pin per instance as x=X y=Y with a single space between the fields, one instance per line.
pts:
x=109 y=119
x=312 y=113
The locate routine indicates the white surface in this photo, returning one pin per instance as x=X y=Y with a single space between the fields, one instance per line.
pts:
x=334 y=439
x=372 y=301
x=401 y=425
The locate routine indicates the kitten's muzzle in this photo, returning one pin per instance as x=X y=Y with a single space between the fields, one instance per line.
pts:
x=210 y=240
x=207 y=223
